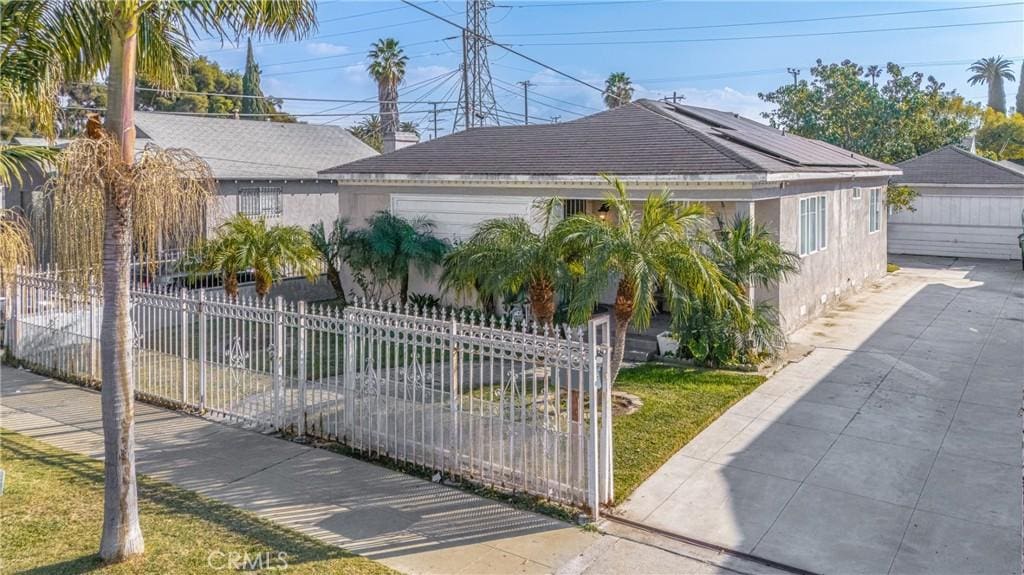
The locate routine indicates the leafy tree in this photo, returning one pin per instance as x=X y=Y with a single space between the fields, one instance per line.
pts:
x=653 y=248
x=904 y=117
x=387 y=68
x=1020 y=89
x=370 y=131
x=618 y=90
x=242 y=244
x=141 y=201
x=1001 y=137
x=253 y=102
x=899 y=198
x=383 y=252
x=992 y=71
x=331 y=246
x=504 y=256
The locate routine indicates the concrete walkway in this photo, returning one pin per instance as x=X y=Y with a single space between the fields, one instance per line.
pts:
x=894 y=447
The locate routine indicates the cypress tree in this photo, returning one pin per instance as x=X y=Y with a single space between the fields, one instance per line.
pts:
x=252 y=101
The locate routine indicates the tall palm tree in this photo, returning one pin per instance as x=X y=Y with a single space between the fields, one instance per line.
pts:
x=155 y=39
x=618 y=90
x=389 y=246
x=331 y=246
x=242 y=243
x=505 y=255
x=873 y=72
x=992 y=71
x=387 y=68
x=653 y=248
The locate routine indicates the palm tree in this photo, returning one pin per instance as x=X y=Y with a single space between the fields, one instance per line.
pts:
x=992 y=71
x=370 y=131
x=1020 y=89
x=15 y=244
x=388 y=247
x=330 y=246
x=502 y=257
x=242 y=243
x=618 y=90
x=387 y=68
x=110 y=185
x=749 y=256
x=873 y=72
x=655 y=248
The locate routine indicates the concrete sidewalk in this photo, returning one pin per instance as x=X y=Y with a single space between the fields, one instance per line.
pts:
x=409 y=524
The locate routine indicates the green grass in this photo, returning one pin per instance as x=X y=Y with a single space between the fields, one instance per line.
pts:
x=51 y=515
x=678 y=404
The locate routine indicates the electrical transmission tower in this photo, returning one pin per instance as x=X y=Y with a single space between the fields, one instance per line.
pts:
x=477 y=106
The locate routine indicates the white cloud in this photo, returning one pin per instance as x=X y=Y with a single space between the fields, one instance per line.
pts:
x=326 y=49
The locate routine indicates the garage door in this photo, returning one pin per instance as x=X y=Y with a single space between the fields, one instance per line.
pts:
x=960 y=226
x=456 y=216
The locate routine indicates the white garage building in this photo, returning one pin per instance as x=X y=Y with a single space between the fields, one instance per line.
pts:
x=969 y=206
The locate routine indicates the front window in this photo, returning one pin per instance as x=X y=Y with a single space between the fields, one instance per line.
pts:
x=259 y=202
x=813 y=225
x=875 y=210
x=573 y=207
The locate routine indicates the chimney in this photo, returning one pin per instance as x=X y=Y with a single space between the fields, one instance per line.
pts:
x=399 y=140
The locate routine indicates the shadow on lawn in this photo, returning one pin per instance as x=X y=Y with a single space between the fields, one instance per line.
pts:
x=171 y=500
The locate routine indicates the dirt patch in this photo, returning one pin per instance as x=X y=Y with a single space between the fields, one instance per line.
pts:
x=625 y=403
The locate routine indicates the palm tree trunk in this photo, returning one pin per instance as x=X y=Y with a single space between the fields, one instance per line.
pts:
x=996 y=94
x=334 y=278
x=263 y=284
x=122 y=536
x=231 y=285
x=542 y=302
x=623 y=313
x=403 y=291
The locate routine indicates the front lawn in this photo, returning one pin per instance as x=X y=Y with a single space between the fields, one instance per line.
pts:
x=678 y=404
x=52 y=508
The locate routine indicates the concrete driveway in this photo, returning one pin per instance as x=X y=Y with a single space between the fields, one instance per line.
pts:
x=894 y=447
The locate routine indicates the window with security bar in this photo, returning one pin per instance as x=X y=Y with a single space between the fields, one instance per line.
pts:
x=260 y=201
x=573 y=207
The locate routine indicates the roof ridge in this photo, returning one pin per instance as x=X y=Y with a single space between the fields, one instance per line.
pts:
x=702 y=137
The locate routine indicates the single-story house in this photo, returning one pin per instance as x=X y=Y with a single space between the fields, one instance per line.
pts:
x=263 y=169
x=822 y=202
x=968 y=206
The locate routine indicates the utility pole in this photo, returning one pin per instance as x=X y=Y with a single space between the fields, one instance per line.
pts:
x=467 y=112
x=795 y=72
x=526 y=100
x=674 y=98
x=434 y=112
x=555 y=119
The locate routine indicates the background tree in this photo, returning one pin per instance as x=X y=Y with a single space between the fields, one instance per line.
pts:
x=873 y=72
x=651 y=249
x=370 y=131
x=387 y=68
x=906 y=116
x=1020 y=89
x=245 y=244
x=1001 y=137
x=331 y=246
x=618 y=90
x=992 y=72
x=382 y=253
x=141 y=201
x=504 y=256
x=253 y=101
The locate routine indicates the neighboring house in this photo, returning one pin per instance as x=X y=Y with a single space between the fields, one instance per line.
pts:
x=262 y=169
x=969 y=206
x=822 y=201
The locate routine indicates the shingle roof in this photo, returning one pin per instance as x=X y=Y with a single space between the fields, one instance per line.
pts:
x=249 y=149
x=954 y=165
x=642 y=138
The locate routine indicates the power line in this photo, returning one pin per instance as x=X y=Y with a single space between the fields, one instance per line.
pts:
x=571 y=4
x=347 y=55
x=762 y=23
x=491 y=41
x=229 y=115
x=360 y=15
x=768 y=36
x=292 y=98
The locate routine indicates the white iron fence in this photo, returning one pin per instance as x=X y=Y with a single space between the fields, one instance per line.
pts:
x=514 y=407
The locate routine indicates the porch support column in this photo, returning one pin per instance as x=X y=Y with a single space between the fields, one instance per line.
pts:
x=746 y=210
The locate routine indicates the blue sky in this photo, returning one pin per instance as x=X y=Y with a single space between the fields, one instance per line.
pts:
x=697 y=62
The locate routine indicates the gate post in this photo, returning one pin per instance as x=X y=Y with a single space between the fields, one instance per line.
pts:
x=454 y=377
x=593 y=438
x=183 y=327
x=607 y=447
x=348 y=382
x=278 y=416
x=201 y=307
x=301 y=368
x=12 y=338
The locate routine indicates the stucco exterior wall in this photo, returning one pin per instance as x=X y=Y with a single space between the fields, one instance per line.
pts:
x=852 y=257
x=303 y=203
